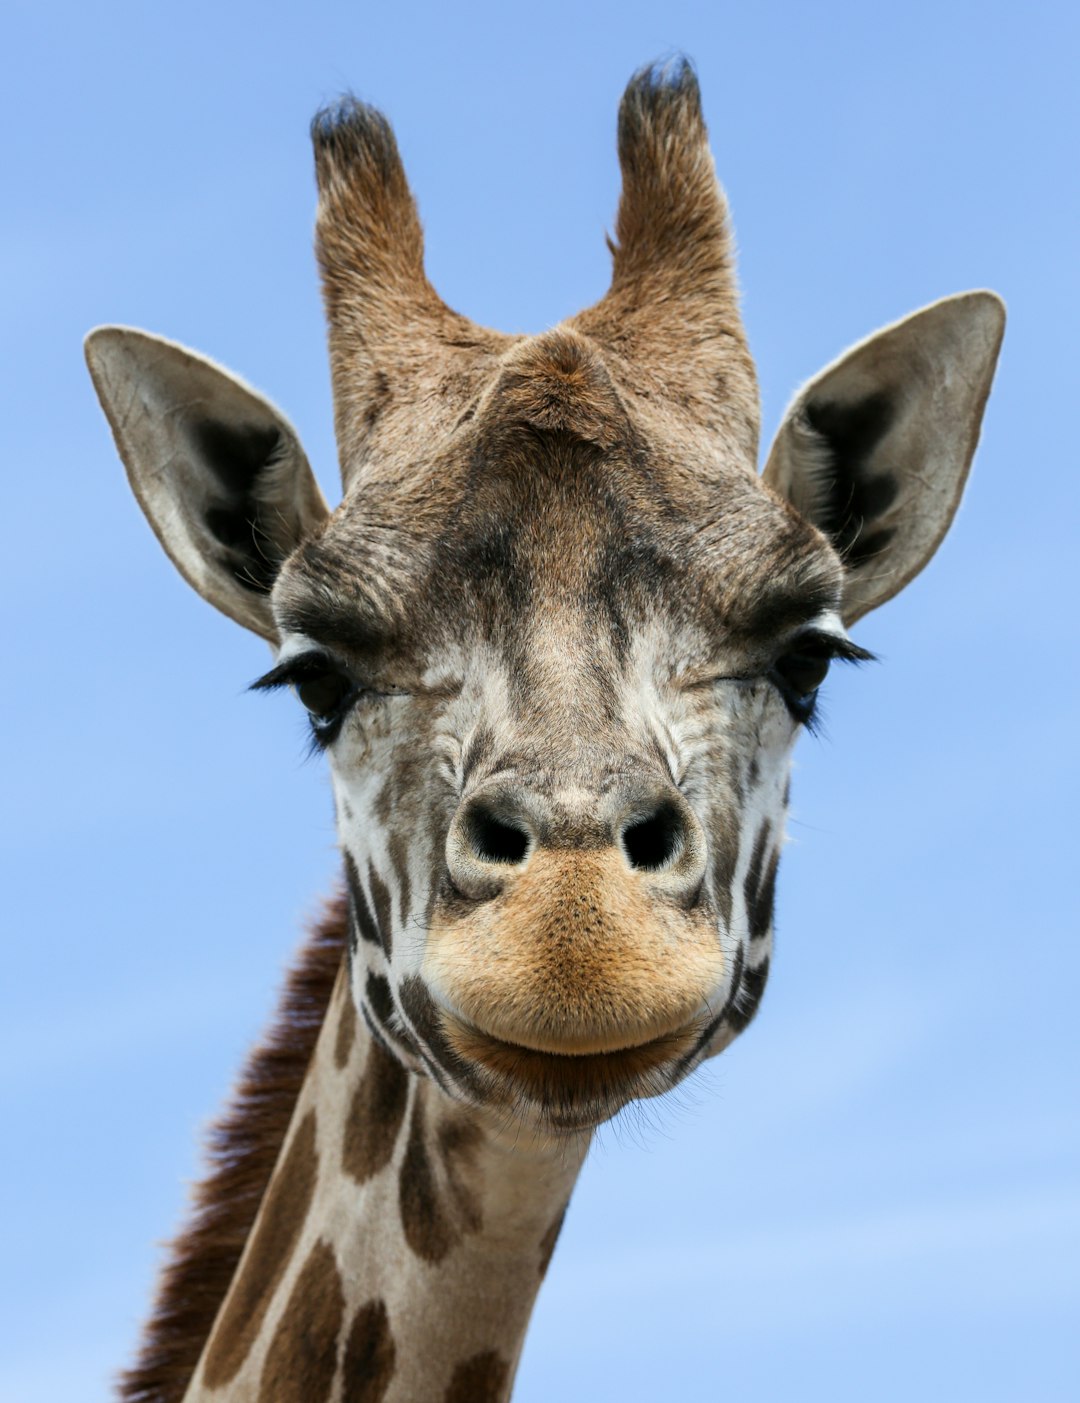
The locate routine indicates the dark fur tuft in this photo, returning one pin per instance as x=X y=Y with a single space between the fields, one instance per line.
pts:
x=662 y=101
x=350 y=133
x=242 y=1152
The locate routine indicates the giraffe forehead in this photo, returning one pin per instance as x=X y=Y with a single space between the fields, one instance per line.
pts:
x=566 y=545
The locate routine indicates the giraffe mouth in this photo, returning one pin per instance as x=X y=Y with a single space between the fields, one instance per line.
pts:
x=571 y=1090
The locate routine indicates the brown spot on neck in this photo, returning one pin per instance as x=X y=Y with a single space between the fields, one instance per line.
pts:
x=302 y=1359
x=485 y=1378
x=346 y=1031
x=368 y=1365
x=438 y=1206
x=276 y=1235
x=375 y=1115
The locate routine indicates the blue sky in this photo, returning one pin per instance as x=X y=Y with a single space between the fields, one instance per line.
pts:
x=874 y=1194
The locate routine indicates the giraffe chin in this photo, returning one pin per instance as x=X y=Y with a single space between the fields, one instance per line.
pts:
x=567 y=1090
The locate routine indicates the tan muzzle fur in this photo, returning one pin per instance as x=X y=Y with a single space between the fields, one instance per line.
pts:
x=578 y=954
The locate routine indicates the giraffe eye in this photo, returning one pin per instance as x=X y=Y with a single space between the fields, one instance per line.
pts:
x=804 y=669
x=323 y=686
x=800 y=672
x=325 y=694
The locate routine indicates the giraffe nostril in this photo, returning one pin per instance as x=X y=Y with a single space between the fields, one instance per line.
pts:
x=494 y=840
x=656 y=841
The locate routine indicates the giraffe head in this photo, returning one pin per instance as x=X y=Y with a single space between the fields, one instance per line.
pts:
x=559 y=638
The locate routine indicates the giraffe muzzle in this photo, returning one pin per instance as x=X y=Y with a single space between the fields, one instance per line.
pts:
x=575 y=941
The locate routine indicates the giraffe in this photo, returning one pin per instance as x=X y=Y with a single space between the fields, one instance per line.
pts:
x=557 y=643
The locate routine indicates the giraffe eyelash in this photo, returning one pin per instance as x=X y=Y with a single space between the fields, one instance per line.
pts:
x=331 y=692
x=841 y=649
x=293 y=670
x=795 y=672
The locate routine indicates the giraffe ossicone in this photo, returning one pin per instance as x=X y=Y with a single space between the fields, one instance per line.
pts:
x=557 y=642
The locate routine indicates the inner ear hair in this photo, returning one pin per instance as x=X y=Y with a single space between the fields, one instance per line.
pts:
x=876 y=449
x=845 y=496
x=218 y=471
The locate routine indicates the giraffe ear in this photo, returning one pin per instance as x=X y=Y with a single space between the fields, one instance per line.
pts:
x=876 y=449
x=218 y=471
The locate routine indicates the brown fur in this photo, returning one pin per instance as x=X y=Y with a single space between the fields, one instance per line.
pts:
x=243 y=1150
x=674 y=252
x=302 y=1360
x=367 y=1368
x=394 y=345
x=346 y=1034
x=556 y=383
x=482 y=1379
x=267 y=1258
x=407 y=369
x=438 y=1205
x=376 y=1114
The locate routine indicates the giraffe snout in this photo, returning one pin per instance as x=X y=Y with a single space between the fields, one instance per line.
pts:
x=583 y=930
x=650 y=829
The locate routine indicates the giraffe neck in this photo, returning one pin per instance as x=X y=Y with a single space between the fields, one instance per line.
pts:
x=399 y=1247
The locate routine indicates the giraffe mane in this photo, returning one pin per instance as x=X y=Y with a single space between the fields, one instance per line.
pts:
x=242 y=1149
